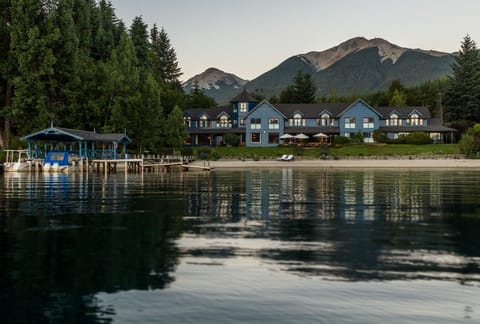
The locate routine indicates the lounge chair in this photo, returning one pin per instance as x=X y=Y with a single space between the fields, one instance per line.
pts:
x=289 y=158
x=284 y=156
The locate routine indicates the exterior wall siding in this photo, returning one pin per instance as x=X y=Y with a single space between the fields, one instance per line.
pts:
x=264 y=112
x=358 y=110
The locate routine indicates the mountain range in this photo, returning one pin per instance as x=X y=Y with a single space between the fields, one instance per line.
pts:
x=356 y=66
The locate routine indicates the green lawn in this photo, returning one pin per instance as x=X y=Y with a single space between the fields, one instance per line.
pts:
x=344 y=151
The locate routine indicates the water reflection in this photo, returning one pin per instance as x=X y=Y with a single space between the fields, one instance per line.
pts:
x=65 y=238
x=347 y=225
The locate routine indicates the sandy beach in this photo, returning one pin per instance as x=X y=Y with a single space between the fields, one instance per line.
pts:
x=343 y=163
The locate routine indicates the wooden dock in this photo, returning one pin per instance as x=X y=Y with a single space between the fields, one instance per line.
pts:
x=140 y=165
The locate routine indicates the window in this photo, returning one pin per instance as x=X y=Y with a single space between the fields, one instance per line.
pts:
x=415 y=120
x=255 y=137
x=242 y=122
x=255 y=123
x=243 y=107
x=393 y=121
x=368 y=137
x=273 y=123
x=273 y=138
x=224 y=122
x=368 y=122
x=187 y=121
x=325 y=120
x=349 y=122
x=297 y=120
x=204 y=122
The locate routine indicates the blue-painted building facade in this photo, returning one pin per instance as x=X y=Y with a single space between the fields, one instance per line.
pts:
x=264 y=124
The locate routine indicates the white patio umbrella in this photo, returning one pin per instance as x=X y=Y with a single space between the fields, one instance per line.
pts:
x=286 y=136
x=321 y=135
x=301 y=136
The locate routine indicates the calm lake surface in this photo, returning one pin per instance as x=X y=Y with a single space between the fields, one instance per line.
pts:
x=283 y=245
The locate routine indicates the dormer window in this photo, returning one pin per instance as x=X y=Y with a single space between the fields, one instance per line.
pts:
x=325 y=120
x=297 y=120
x=224 y=122
x=393 y=121
x=204 y=122
x=415 y=120
x=243 y=107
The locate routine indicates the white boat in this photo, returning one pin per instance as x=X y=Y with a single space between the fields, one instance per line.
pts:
x=17 y=161
x=56 y=161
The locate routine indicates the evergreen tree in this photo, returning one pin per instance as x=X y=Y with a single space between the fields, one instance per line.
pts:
x=462 y=95
x=305 y=88
x=398 y=99
x=139 y=35
x=165 y=65
x=197 y=99
x=175 y=131
x=7 y=71
x=302 y=91
x=32 y=40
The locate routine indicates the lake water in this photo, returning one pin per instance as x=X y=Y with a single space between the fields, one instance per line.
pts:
x=283 y=245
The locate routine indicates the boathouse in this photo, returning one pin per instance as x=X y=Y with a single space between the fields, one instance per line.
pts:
x=85 y=144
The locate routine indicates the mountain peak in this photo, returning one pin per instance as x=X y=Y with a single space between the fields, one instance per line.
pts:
x=324 y=59
x=213 y=78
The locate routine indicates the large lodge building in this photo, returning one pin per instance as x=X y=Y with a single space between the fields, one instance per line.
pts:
x=265 y=124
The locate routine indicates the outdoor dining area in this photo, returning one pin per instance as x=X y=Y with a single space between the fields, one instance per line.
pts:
x=305 y=140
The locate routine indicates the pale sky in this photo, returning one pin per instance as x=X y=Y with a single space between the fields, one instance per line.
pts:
x=250 y=37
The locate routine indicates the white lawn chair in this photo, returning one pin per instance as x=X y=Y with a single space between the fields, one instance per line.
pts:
x=289 y=158
x=284 y=156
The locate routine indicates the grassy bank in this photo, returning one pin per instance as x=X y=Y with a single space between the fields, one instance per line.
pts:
x=360 y=150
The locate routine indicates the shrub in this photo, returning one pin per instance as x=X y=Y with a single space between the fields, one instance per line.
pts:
x=417 y=138
x=232 y=139
x=341 y=140
x=467 y=145
x=380 y=137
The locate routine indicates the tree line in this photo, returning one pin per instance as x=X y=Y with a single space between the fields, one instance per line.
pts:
x=74 y=63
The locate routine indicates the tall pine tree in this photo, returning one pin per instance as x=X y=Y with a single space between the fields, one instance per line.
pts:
x=462 y=95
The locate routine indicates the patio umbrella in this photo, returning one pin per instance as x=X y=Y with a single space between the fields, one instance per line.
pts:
x=301 y=136
x=320 y=135
x=286 y=136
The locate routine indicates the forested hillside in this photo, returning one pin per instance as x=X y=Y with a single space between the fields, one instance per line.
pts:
x=74 y=63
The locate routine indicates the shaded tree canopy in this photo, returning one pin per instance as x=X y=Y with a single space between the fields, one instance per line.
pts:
x=75 y=63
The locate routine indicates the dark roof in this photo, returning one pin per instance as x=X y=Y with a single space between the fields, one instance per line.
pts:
x=60 y=134
x=312 y=130
x=434 y=125
x=214 y=131
x=244 y=96
x=403 y=112
x=311 y=110
x=211 y=113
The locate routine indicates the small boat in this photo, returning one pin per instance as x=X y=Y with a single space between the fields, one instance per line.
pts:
x=17 y=161
x=56 y=161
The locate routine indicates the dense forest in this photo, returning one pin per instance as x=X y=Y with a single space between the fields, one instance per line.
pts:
x=73 y=63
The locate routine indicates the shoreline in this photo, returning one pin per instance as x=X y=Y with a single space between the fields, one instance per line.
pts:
x=344 y=163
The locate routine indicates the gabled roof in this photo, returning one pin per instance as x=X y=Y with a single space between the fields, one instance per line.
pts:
x=362 y=102
x=211 y=113
x=244 y=96
x=403 y=112
x=265 y=102
x=311 y=111
x=60 y=134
